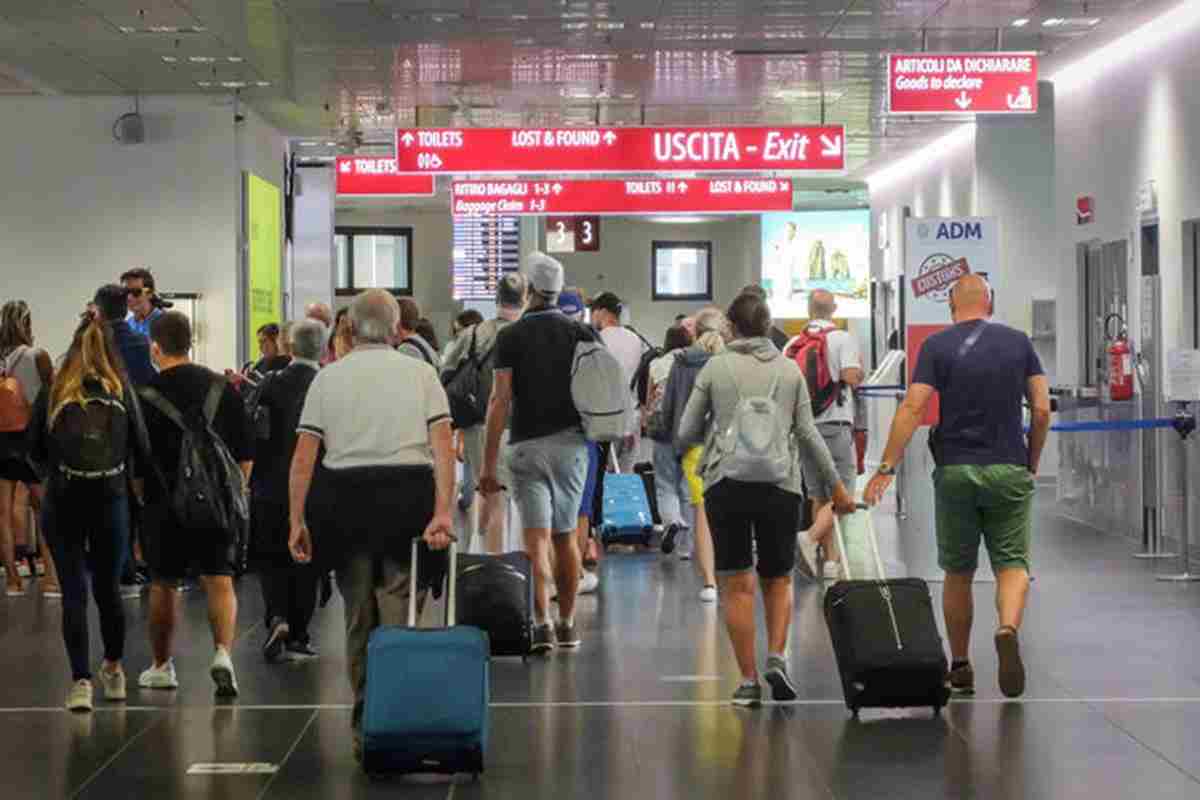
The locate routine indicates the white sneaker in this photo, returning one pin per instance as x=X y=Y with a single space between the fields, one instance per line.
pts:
x=589 y=583
x=113 y=684
x=832 y=571
x=708 y=594
x=159 y=677
x=80 y=696
x=806 y=550
x=222 y=674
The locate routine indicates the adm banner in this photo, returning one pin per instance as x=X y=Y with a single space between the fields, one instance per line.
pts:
x=264 y=237
x=939 y=251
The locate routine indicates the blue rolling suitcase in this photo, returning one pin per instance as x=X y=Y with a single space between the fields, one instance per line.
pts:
x=426 y=708
x=626 y=515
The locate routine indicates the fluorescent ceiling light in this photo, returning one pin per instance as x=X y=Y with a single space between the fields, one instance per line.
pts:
x=235 y=59
x=233 y=84
x=647 y=26
x=921 y=158
x=1145 y=39
x=170 y=59
x=683 y=220
x=1020 y=23
x=610 y=26
x=201 y=59
x=262 y=84
x=204 y=84
x=1053 y=22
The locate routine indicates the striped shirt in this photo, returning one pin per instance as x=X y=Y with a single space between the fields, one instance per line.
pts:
x=374 y=408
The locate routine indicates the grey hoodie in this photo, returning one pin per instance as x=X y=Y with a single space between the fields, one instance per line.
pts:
x=679 y=387
x=744 y=370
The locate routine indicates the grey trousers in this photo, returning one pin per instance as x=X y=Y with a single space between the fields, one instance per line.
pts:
x=375 y=591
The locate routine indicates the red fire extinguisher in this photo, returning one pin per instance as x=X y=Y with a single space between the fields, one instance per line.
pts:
x=1120 y=365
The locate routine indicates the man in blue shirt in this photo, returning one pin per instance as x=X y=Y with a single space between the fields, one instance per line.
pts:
x=139 y=284
x=984 y=480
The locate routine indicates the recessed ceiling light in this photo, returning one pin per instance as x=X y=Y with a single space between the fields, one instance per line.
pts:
x=331 y=144
x=1053 y=22
x=308 y=144
x=647 y=26
x=607 y=25
x=1020 y=23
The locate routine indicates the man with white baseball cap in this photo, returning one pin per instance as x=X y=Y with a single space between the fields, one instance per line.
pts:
x=548 y=456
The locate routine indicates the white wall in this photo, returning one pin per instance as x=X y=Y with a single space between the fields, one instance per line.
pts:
x=623 y=265
x=78 y=209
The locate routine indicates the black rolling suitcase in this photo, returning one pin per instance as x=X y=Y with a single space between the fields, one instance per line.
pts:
x=888 y=648
x=645 y=471
x=495 y=594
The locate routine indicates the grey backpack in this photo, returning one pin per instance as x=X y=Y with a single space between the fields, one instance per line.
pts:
x=756 y=446
x=600 y=392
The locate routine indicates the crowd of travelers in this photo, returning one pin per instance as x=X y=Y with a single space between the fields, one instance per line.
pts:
x=126 y=463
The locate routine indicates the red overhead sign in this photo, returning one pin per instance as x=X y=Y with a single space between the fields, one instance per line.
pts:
x=633 y=196
x=566 y=150
x=963 y=83
x=371 y=176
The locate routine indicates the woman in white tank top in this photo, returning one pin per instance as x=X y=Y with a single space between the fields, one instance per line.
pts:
x=19 y=482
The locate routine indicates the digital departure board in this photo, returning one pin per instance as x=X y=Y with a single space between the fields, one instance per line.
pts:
x=484 y=249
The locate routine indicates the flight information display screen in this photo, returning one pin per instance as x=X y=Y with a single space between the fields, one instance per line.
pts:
x=485 y=248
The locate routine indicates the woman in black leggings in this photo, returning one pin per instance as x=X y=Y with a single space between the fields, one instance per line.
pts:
x=87 y=434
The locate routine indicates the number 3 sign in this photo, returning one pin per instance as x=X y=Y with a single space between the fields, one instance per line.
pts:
x=572 y=234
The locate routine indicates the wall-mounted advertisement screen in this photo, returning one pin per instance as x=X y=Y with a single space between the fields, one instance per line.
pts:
x=810 y=250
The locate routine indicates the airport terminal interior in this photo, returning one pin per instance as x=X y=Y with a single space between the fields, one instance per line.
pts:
x=243 y=165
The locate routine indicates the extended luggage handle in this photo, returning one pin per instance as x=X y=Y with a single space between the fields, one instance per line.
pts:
x=841 y=541
x=451 y=591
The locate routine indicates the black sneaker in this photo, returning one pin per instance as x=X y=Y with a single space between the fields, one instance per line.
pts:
x=776 y=676
x=543 y=639
x=961 y=680
x=301 y=651
x=276 y=642
x=1012 y=669
x=668 y=540
x=567 y=637
x=748 y=695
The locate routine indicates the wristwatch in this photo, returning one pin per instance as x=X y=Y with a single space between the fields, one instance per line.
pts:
x=886 y=469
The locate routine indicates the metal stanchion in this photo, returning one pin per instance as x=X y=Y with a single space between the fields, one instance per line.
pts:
x=1185 y=425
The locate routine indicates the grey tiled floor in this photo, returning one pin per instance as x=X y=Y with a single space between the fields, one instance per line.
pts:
x=1112 y=709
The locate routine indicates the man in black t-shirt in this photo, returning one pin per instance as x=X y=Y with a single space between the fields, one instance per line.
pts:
x=984 y=481
x=169 y=551
x=548 y=456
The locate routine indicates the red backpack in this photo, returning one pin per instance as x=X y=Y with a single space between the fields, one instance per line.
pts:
x=811 y=351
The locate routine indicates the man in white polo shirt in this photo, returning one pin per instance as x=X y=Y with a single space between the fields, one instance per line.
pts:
x=387 y=477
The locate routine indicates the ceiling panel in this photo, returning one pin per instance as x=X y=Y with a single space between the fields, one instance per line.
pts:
x=351 y=70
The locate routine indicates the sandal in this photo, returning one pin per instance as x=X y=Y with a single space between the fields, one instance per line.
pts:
x=50 y=590
x=15 y=589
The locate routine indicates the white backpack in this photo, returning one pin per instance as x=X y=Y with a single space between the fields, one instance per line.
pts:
x=756 y=446
x=600 y=393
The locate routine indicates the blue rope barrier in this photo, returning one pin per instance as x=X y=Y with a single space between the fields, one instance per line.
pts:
x=1113 y=425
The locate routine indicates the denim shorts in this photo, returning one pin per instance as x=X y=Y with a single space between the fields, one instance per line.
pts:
x=549 y=474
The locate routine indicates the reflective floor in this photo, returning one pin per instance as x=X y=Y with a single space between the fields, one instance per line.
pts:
x=1112 y=709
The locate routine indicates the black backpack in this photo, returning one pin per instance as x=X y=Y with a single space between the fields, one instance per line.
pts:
x=641 y=378
x=92 y=437
x=207 y=494
x=469 y=388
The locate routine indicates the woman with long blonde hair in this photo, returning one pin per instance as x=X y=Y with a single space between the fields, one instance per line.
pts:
x=88 y=436
x=19 y=482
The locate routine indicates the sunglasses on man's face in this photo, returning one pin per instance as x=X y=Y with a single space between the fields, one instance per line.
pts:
x=137 y=292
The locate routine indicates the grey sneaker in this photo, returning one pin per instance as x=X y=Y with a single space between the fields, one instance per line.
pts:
x=80 y=696
x=543 y=639
x=113 y=684
x=748 y=695
x=567 y=637
x=776 y=676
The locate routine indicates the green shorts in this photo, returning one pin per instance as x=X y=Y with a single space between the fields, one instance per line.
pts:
x=994 y=502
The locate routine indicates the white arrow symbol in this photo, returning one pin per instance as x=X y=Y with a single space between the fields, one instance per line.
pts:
x=785 y=186
x=558 y=188
x=683 y=187
x=347 y=167
x=407 y=139
x=962 y=101
x=610 y=138
x=831 y=147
